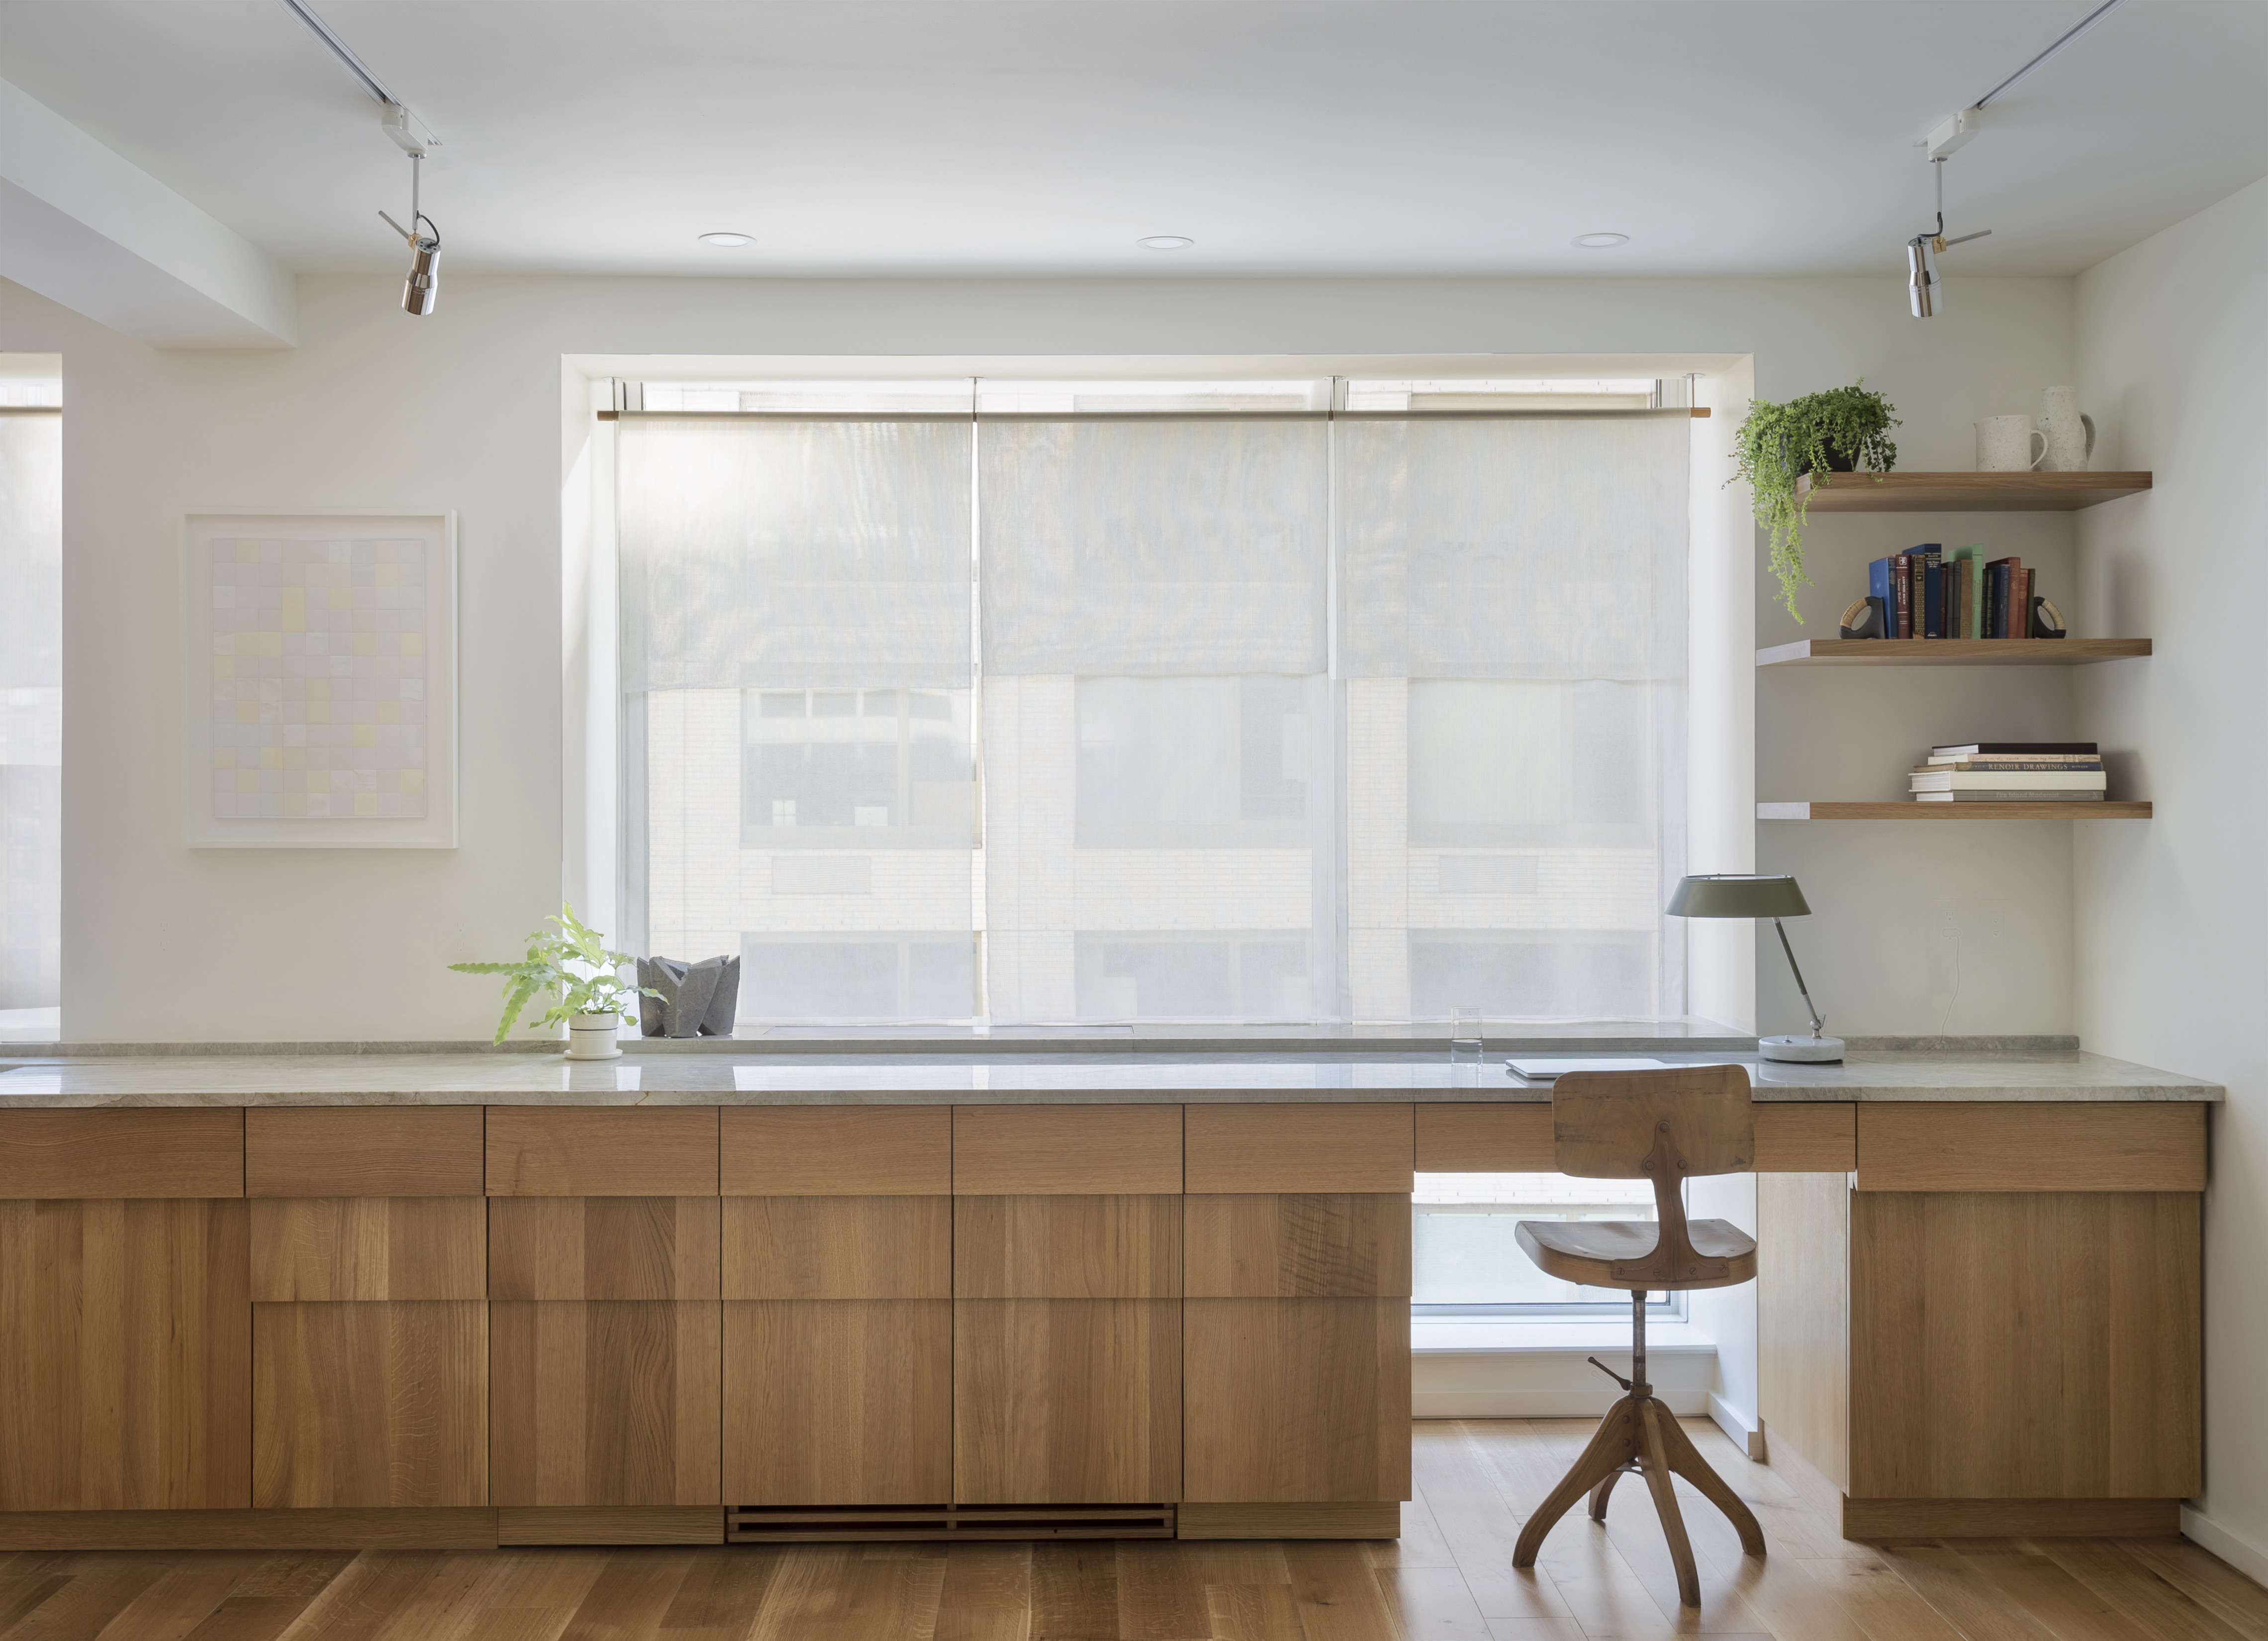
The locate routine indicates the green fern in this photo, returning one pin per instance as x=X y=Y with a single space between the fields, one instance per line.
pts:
x=573 y=962
x=1778 y=443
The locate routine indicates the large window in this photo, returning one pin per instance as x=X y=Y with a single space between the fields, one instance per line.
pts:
x=1039 y=702
x=30 y=698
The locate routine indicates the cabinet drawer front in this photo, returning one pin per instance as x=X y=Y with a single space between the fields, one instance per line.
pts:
x=363 y=1150
x=1297 y=1247
x=1504 y=1137
x=2067 y=1146
x=551 y=1152
x=1067 y=1247
x=839 y=1248
x=1243 y=1149
x=1066 y=1151
x=1297 y=1400
x=837 y=1150
x=1803 y=1137
x=603 y=1247
x=116 y=1154
x=369 y=1247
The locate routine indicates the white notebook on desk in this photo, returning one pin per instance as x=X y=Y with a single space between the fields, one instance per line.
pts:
x=1542 y=1070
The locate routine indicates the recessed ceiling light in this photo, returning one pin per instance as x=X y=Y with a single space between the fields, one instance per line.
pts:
x=1601 y=241
x=1166 y=242
x=728 y=241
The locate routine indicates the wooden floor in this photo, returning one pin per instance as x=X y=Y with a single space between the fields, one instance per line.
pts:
x=1450 y=1576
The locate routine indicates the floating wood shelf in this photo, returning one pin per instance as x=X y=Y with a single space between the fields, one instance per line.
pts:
x=1950 y=651
x=1967 y=492
x=1908 y=810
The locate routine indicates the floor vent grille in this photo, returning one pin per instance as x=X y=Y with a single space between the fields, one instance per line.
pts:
x=794 y=1524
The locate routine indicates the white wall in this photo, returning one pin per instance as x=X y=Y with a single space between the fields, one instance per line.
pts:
x=2173 y=915
x=462 y=410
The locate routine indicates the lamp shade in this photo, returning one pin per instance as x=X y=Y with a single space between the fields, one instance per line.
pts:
x=1731 y=894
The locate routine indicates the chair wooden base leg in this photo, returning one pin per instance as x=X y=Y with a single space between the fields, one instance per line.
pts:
x=1639 y=1432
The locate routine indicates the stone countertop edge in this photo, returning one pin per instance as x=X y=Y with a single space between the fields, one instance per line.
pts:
x=316 y=1080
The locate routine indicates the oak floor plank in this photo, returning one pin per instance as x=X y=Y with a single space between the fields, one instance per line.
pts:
x=1254 y=1612
x=987 y=1594
x=1945 y=1579
x=2140 y=1592
x=183 y=1597
x=629 y=1597
x=1075 y=1591
x=21 y=1595
x=97 y=1591
x=2069 y=1608
x=1432 y=1604
x=721 y=1594
x=1884 y=1606
x=1162 y=1596
x=362 y=1600
x=1479 y=1523
x=1336 y=1595
x=2208 y=1580
x=833 y=1592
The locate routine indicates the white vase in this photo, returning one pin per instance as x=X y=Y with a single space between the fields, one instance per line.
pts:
x=594 y=1036
x=2069 y=433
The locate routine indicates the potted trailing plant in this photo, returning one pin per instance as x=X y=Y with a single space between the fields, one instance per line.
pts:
x=574 y=963
x=1844 y=430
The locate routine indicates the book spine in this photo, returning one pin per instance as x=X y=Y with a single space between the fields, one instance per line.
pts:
x=1932 y=600
x=1878 y=588
x=1905 y=597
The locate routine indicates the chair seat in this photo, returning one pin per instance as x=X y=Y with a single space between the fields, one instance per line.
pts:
x=1586 y=1251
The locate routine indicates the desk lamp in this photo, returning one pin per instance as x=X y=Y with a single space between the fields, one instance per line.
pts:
x=1733 y=894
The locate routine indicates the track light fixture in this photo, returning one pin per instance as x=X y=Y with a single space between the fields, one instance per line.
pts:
x=1923 y=294
x=413 y=138
x=423 y=284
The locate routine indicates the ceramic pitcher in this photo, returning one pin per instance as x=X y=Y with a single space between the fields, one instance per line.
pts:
x=2007 y=443
x=2070 y=434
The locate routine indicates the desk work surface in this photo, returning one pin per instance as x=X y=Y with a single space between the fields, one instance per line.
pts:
x=771 y=1078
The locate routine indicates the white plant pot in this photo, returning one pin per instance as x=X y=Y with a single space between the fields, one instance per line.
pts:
x=594 y=1036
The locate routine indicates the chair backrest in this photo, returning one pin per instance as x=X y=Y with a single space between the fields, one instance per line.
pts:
x=1604 y=1123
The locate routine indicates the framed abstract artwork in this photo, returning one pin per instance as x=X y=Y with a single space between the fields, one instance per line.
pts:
x=319 y=690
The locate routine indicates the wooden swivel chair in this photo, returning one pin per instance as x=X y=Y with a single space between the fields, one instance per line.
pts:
x=1665 y=1126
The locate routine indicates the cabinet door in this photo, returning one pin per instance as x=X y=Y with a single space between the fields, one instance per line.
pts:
x=838 y=1342
x=604 y=1402
x=1297 y=1354
x=370 y=1404
x=125 y=1355
x=1067 y=1347
x=604 y=1349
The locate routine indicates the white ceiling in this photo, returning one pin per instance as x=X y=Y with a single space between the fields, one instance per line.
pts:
x=1301 y=136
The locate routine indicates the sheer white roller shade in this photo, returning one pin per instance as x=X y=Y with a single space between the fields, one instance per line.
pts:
x=31 y=710
x=1277 y=719
x=800 y=708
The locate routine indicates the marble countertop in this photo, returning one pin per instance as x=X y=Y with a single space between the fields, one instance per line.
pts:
x=897 y=1078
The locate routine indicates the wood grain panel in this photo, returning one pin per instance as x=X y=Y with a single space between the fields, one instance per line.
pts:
x=1295 y=1400
x=640 y=1524
x=603 y=1247
x=108 y=1155
x=247 y=1530
x=125 y=1355
x=608 y=1151
x=369 y=1404
x=1066 y=1151
x=1502 y=1136
x=1805 y=1137
x=1296 y=1247
x=2067 y=1146
x=838 y=1401
x=604 y=1403
x=1067 y=1247
x=837 y=1150
x=369 y=1247
x=1868 y=1519
x=839 y=1248
x=1380 y=1519
x=1236 y=1150
x=1803 y=1317
x=363 y=1151
x=1067 y=1402
x=2025 y=1345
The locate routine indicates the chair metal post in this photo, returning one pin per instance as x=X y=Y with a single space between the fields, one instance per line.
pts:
x=1638 y=1343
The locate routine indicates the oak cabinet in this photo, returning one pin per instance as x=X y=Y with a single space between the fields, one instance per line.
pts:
x=125 y=1354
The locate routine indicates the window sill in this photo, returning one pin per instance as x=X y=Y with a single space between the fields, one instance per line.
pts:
x=1526 y=1335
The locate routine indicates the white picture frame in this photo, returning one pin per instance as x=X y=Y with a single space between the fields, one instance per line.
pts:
x=369 y=620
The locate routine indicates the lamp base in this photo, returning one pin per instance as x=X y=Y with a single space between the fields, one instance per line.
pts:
x=1815 y=1050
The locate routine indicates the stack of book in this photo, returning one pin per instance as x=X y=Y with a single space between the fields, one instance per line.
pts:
x=1926 y=592
x=2011 y=772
